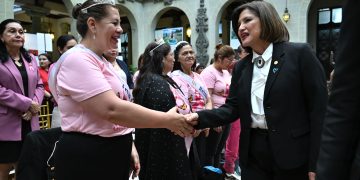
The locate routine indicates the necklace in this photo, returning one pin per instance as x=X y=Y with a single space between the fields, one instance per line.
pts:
x=19 y=64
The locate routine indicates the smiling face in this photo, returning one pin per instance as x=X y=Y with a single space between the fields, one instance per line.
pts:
x=249 y=28
x=186 y=57
x=108 y=30
x=13 y=36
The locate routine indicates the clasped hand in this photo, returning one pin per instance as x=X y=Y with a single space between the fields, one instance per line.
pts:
x=179 y=124
x=32 y=111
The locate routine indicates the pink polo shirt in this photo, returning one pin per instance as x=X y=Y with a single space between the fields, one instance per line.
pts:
x=219 y=82
x=81 y=76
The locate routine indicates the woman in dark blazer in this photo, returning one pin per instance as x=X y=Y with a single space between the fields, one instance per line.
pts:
x=21 y=93
x=280 y=99
x=340 y=145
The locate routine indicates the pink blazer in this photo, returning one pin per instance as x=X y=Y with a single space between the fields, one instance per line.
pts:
x=13 y=102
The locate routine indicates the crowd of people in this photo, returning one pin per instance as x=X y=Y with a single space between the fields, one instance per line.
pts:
x=263 y=113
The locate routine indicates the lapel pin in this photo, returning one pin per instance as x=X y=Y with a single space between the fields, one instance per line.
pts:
x=276 y=62
x=275 y=69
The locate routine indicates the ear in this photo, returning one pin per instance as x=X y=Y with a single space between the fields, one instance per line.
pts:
x=91 y=22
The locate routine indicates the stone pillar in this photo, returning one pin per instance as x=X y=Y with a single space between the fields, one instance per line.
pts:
x=202 y=42
x=6 y=9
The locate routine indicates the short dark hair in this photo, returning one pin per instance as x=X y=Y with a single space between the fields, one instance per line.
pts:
x=63 y=39
x=98 y=12
x=47 y=56
x=273 y=30
x=4 y=55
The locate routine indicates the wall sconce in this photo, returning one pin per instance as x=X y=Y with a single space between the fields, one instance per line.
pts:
x=52 y=35
x=188 y=31
x=286 y=15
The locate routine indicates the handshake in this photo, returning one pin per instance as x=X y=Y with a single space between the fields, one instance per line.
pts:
x=180 y=124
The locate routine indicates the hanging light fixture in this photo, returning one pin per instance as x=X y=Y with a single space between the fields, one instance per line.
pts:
x=286 y=15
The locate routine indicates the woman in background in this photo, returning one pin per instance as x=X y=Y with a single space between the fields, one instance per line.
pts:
x=120 y=66
x=63 y=43
x=217 y=79
x=140 y=64
x=194 y=88
x=163 y=155
x=45 y=62
x=21 y=93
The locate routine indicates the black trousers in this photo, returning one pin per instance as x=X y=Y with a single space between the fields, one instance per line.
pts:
x=261 y=163
x=215 y=143
x=83 y=156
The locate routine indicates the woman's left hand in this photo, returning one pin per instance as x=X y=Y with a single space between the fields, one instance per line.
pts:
x=27 y=116
x=135 y=162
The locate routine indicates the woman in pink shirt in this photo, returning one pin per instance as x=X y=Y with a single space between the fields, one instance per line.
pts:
x=94 y=103
x=194 y=88
x=218 y=80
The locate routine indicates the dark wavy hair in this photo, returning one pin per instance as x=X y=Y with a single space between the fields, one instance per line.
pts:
x=177 y=65
x=63 y=39
x=4 y=55
x=98 y=12
x=152 y=64
x=47 y=56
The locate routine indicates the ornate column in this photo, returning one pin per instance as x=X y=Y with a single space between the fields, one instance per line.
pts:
x=202 y=42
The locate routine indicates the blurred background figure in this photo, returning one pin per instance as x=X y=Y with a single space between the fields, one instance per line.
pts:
x=63 y=43
x=120 y=66
x=139 y=65
x=21 y=93
x=339 y=149
x=218 y=79
x=199 y=68
x=45 y=62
